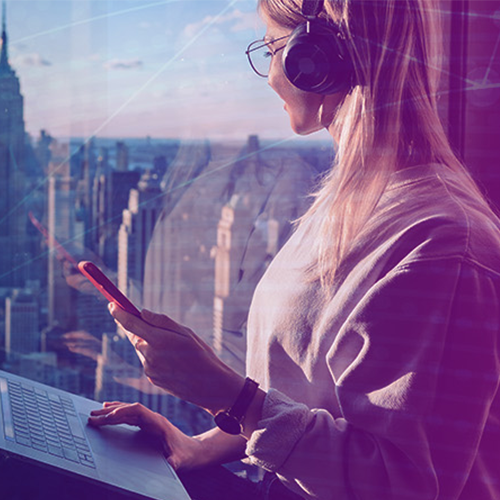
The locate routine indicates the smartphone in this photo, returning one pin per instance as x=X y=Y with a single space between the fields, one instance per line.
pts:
x=51 y=241
x=106 y=287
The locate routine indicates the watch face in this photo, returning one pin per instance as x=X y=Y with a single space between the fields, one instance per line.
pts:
x=227 y=423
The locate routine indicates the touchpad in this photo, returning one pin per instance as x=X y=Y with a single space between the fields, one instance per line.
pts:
x=127 y=448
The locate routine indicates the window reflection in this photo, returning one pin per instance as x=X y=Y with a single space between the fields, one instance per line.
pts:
x=180 y=202
x=138 y=136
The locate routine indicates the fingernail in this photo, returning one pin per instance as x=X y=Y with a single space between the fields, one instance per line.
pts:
x=111 y=306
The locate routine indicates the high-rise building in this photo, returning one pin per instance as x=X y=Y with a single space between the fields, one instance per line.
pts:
x=22 y=334
x=12 y=173
x=61 y=227
x=99 y=228
x=122 y=157
x=111 y=194
x=136 y=230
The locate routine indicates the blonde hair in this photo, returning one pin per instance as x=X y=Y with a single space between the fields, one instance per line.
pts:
x=388 y=123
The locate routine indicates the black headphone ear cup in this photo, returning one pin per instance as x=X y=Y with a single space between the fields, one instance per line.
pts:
x=315 y=59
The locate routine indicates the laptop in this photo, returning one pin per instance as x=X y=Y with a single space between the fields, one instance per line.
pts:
x=47 y=427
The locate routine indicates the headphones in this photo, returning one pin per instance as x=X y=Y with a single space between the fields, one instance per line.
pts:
x=315 y=58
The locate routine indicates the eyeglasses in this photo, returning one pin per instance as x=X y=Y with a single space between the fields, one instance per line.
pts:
x=260 y=54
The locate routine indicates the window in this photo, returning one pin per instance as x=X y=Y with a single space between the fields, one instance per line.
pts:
x=139 y=137
x=135 y=132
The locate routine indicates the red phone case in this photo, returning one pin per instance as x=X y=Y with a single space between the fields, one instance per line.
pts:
x=106 y=287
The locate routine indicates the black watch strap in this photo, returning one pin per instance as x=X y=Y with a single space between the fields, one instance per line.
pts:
x=230 y=420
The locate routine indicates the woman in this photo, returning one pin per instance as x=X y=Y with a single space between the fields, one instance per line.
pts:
x=373 y=334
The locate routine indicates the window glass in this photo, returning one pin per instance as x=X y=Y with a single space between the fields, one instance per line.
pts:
x=133 y=133
x=138 y=138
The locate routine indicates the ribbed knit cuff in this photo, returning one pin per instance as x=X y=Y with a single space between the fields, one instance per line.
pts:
x=283 y=423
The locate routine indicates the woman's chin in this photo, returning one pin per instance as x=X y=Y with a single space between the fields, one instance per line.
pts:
x=305 y=128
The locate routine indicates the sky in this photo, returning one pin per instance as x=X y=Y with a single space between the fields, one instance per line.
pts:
x=158 y=68
x=137 y=68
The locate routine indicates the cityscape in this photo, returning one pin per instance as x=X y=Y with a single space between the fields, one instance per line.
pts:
x=184 y=227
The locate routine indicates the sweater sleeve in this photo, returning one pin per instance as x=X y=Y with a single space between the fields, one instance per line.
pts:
x=415 y=368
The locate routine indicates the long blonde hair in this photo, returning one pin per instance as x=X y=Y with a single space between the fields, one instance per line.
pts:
x=388 y=123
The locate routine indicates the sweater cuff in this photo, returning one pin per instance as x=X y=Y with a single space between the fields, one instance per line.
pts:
x=283 y=423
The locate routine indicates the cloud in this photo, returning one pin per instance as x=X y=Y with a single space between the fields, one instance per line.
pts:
x=123 y=64
x=239 y=21
x=33 y=59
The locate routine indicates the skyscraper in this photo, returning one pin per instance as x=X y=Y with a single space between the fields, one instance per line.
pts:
x=61 y=217
x=122 y=157
x=12 y=172
x=136 y=230
x=21 y=323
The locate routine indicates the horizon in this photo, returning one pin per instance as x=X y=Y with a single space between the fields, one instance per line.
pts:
x=123 y=68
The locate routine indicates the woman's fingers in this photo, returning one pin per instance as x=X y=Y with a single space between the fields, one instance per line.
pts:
x=129 y=322
x=162 y=321
x=109 y=404
x=151 y=327
x=181 y=450
x=120 y=413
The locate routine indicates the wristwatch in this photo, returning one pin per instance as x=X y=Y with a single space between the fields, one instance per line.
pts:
x=230 y=420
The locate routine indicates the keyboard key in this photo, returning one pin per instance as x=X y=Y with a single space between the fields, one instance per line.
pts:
x=88 y=463
x=80 y=445
x=37 y=433
x=38 y=438
x=39 y=446
x=46 y=420
x=21 y=432
x=55 y=450
x=62 y=431
x=81 y=448
x=76 y=427
x=32 y=415
x=23 y=440
x=53 y=440
x=70 y=454
x=67 y=442
x=20 y=424
x=86 y=459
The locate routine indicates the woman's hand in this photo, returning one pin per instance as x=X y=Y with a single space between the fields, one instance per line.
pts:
x=182 y=452
x=177 y=360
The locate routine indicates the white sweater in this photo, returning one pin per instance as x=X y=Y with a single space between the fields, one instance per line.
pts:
x=387 y=389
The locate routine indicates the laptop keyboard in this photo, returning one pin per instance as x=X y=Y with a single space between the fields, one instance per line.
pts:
x=45 y=422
